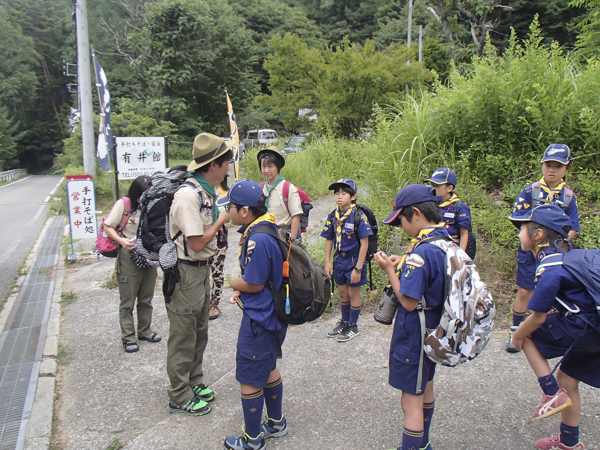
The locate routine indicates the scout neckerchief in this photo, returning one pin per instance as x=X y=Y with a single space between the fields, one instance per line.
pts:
x=552 y=193
x=210 y=190
x=423 y=234
x=270 y=189
x=340 y=222
x=269 y=218
x=453 y=199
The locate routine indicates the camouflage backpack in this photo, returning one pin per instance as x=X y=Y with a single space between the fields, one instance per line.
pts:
x=468 y=312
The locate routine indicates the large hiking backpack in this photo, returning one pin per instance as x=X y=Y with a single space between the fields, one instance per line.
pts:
x=468 y=313
x=373 y=239
x=304 y=203
x=472 y=240
x=306 y=290
x=154 y=241
x=584 y=265
x=536 y=190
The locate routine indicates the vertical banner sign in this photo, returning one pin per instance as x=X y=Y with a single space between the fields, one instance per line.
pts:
x=106 y=142
x=235 y=137
x=82 y=207
x=138 y=156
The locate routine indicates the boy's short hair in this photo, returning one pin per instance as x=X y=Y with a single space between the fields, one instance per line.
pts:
x=219 y=161
x=256 y=211
x=431 y=211
x=346 y=189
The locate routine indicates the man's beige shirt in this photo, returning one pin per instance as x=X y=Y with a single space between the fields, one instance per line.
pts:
x=283 y=218
x=185 y=216
x=116 y=215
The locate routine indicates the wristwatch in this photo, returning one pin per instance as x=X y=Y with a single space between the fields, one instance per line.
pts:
x=357 y=269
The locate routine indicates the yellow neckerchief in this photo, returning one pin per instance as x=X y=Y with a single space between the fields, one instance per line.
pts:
x=416 y=241
x=264 y=218
x=340 y=221
x=552 y=193
x=453 y=199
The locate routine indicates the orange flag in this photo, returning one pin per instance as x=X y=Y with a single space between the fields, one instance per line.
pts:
x=235 y=137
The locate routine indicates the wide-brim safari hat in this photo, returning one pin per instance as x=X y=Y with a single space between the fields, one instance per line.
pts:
x=275 y=151
x=207 y=148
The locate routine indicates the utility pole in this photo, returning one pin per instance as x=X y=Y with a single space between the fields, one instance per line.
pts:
x=409 y=37
x=420 y=43
x=84 y=86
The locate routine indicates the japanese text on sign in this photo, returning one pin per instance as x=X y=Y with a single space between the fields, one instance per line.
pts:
x=82 y=208
x=138 y=156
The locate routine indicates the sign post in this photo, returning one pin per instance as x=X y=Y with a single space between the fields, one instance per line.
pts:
x=82 y=208
x=138 y=156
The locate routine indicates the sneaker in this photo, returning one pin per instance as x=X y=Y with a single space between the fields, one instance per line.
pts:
x=214 y=312
x=350 y=332
x=510 y=347
x=553 y=443
x=245 y=442
x=274 y=428
x=339 y=329
x=203 y=393
x=552 y=404
x=195 y=407
x=427 y=447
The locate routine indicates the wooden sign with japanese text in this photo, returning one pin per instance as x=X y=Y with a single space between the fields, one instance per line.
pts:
x=82 y=207
x=138 y=156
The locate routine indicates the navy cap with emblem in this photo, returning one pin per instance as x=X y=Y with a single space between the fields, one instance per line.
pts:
x=244 y=193
x=410 y=195
x=443 y=175
x=557 y=152
x=550 y=216
x=343 y=182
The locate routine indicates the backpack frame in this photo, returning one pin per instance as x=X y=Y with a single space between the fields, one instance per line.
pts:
x=536 y=189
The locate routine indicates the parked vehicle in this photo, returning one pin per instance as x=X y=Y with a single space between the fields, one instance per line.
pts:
x=260 y=138
x=295 y=144
x=242 y=147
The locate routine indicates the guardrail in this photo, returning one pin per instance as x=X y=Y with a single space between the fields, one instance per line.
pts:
x=12 y=174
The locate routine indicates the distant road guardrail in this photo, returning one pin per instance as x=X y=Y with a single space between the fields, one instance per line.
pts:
x=12 y=174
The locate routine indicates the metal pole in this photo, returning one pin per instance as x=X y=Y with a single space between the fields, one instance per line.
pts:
x=420 y=43
x=84 y=86
x=409 y=37
x=167 y=152
x=116 y=171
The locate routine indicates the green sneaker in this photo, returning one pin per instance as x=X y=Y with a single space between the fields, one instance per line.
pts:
x=195 y=407
x=203 y=393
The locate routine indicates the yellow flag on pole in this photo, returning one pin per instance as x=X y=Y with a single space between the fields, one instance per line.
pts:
x=235 y=137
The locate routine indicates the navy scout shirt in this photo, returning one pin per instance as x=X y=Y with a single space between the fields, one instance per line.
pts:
x=350 y=242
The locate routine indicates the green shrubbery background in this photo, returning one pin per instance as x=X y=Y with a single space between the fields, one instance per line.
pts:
x=491 y=126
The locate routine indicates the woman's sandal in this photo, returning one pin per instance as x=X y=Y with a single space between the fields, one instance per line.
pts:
x=130 y=346
x=153 y=337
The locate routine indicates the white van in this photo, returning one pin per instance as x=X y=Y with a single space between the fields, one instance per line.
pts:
x=260 y=138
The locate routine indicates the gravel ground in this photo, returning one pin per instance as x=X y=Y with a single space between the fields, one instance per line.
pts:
x=336 y=395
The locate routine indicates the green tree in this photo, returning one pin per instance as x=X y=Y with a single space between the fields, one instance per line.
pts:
x=342 y=85
x=589 y=39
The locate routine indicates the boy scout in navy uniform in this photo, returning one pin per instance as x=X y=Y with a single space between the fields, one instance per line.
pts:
x=564 y=322
x=261 y=333
x=551 y=189
x=419 y=273
x=457 y=219
x=287 y=217
x=188 y=309
x=349 y=268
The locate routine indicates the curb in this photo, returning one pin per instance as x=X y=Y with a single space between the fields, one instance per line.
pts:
x=39 y=429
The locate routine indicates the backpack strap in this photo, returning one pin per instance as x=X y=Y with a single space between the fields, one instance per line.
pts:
x=198 y=190
x=286 y=194
x=568 y=198
x=536 y=188
x=126 y=213
x=456 y=206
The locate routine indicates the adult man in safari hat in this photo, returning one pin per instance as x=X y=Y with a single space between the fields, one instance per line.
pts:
x=194 y=220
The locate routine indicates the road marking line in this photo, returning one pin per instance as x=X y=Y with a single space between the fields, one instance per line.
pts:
x=15 y=182
x=37 y=214
x=9 y=251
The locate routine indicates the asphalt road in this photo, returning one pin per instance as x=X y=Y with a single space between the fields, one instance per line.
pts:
x=22 y=215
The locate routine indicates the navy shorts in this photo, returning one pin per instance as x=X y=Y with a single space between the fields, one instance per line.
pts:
x=405 y=351
x=559 y=332
x=256 y=355
x=525 y=269
x=343 y=268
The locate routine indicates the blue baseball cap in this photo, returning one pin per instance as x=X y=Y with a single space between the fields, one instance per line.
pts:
x=557 y=152
x=244 y=193
x=343 y=182
x=550 y=216
x=411 y=195
x=443 y=175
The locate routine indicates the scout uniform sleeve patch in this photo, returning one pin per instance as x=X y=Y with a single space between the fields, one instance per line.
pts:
x=415 y=260
x=251 y=245
x=540 y=270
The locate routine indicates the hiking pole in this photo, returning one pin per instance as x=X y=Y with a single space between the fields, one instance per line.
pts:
x=332 y=280
x=370 y=276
